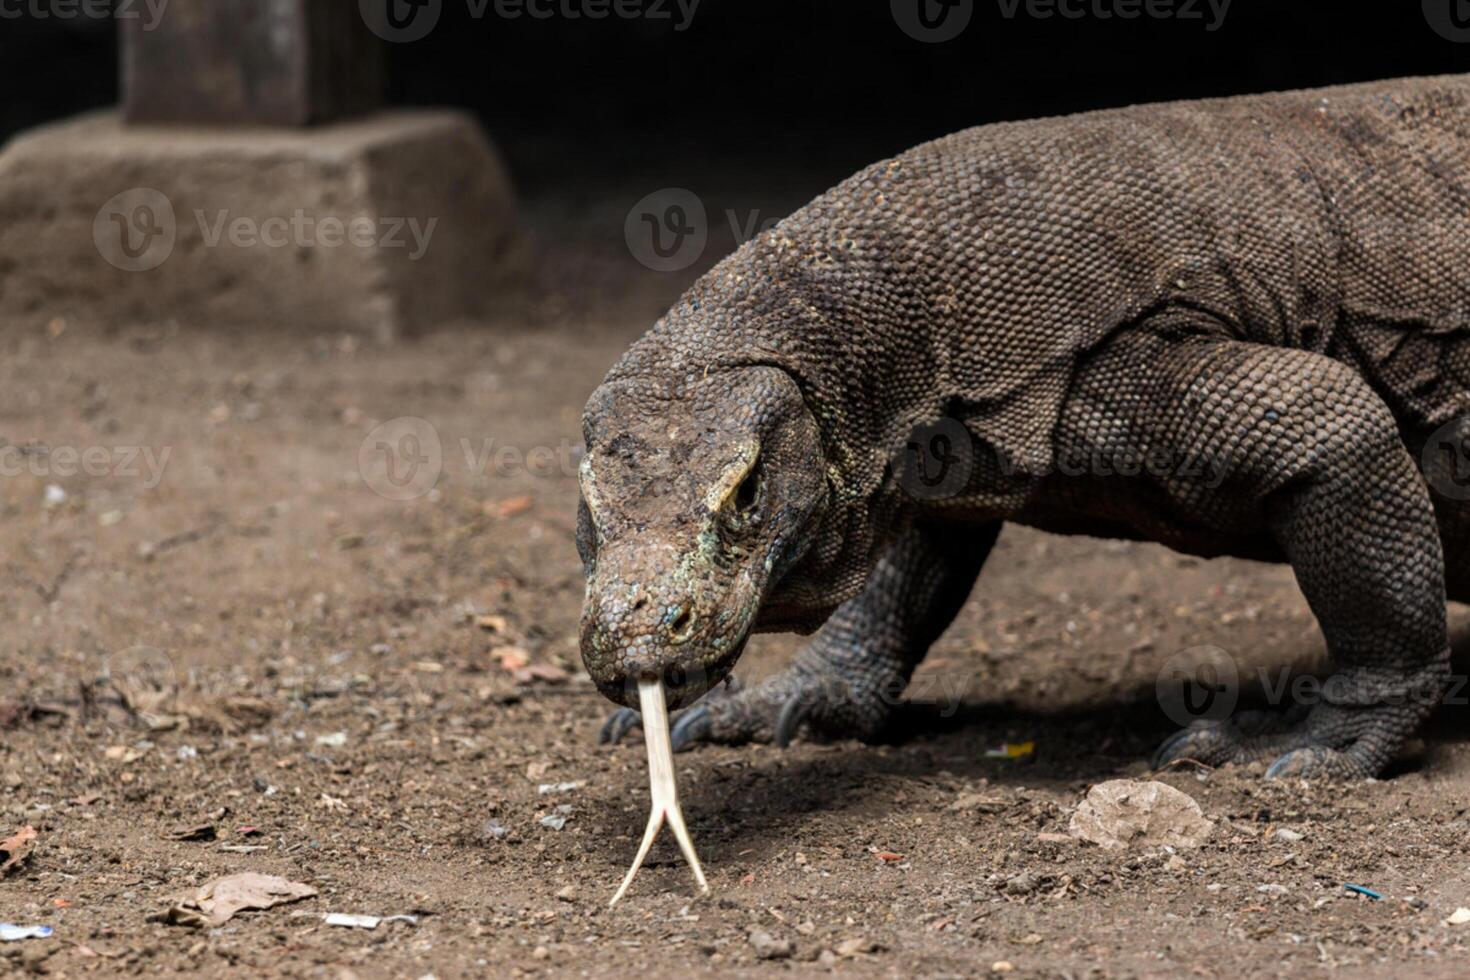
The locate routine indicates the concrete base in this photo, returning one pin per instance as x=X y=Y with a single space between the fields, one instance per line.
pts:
x=383 y=225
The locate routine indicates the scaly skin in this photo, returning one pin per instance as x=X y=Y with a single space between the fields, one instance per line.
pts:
x=1264 y=298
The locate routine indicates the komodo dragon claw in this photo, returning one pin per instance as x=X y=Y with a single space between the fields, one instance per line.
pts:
x=689 y=726
x=698 y=723
x=772 y=711
x=618 y=724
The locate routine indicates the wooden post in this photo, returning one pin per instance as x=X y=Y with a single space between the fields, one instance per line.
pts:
x=251 y=62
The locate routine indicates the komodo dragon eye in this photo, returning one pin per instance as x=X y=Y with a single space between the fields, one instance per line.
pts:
x=736 y=496
x=748 y=493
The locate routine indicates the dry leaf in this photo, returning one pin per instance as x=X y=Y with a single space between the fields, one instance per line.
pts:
x=510 y=507
x=550 y=673
x=203 y=831
x=492 y=624
x=235 y=714
x=216 y=903
x=17 y=848
x=14 y=714
x=511 y=658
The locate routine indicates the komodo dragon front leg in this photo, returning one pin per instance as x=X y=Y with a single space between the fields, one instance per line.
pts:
x=1307 y=457
x=846 y=682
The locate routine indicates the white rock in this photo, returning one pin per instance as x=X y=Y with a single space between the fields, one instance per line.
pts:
x=1139 y=813
x=352 y=921
x=547 y=788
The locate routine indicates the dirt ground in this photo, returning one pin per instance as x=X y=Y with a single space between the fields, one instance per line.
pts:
x=244 y=657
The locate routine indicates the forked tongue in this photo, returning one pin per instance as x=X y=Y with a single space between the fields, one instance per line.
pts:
x=662 y=788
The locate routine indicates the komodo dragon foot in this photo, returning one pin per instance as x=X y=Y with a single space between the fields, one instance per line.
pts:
x=1351 y=737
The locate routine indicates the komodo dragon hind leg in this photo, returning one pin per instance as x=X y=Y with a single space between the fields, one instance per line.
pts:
x=846 y=682
x=1304 y=450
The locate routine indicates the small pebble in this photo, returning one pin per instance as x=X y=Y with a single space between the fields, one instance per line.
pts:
x=855 y=947
x=767 y=947
x=1022 y=884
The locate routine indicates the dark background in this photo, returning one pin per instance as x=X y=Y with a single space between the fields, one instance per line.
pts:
x=805 y=87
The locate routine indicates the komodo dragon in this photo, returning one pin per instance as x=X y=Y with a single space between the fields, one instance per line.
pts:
x=1276 y=285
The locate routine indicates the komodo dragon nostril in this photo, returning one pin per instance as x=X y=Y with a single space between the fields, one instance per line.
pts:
x=681 y=621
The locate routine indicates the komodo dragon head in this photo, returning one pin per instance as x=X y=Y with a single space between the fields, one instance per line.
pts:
x=696 y=499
